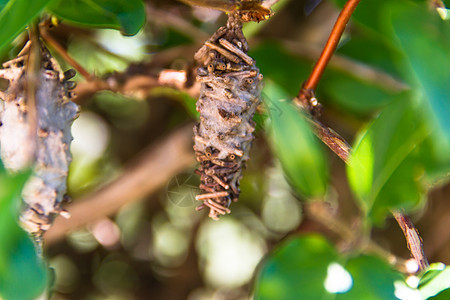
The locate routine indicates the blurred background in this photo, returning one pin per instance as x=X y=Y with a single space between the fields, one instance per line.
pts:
x=134 y=231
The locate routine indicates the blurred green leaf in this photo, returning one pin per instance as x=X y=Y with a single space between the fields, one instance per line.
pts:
x=15 y=15
x=294 y=143
x=3 y=3
x=436 y=165
x=425 y=42
x=434 y=281
x=308 y=267
x=22 y=273
x=444 y=295
x=122 y=112
x=277 y=64
x=127 y=15
x=373 y=279
x=384 y=170
x=351 y=95
x=366 y=47
x=296 y=270
x=93 y=60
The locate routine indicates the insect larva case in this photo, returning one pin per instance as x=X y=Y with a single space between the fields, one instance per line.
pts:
x=229 y=95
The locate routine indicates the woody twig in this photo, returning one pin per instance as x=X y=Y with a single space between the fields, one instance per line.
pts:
x=307 y=101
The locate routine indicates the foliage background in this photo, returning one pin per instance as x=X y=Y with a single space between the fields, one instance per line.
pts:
x=160 y=248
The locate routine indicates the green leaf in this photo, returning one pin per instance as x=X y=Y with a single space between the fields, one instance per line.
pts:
x=385 y=169
x=444 y=295
x=434 y=281
x=308 y=267
x=436 y=165
x=280 y=66
x=3 y=3
x=296 y=270
x=15 y=15
x=373 y=279
x=349 y=94
x=22 y=273
x=370 y=49
x=126 y=15
x=295 y=145
x=426 y=45
x=24 y=276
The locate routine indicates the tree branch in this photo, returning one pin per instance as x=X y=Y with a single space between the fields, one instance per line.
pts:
x=413 y=239
x=157 y=165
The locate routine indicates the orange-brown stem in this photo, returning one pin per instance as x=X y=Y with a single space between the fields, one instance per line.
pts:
x=307 y=101
x=333 y=40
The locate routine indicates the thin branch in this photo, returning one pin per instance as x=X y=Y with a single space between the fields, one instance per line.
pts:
x=32 y=72
x=61 y=51
x=328 y=136
x=154 y=168
x=333 y=40
x=413 y=239
x=136 y=85
x=306 y=100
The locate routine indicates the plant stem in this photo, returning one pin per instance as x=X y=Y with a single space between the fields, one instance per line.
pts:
x=333 y=40
x=61 y=51
x=307 y=102
x=413 y=239
x=161 y=161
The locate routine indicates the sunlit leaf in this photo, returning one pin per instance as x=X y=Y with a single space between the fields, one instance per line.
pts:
x=22 y=273
x=426 y=45
x=296 y=270
x=15 y=15
x=126 y=15
x=385 y=171
x=435 y=281
x=296 y=146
